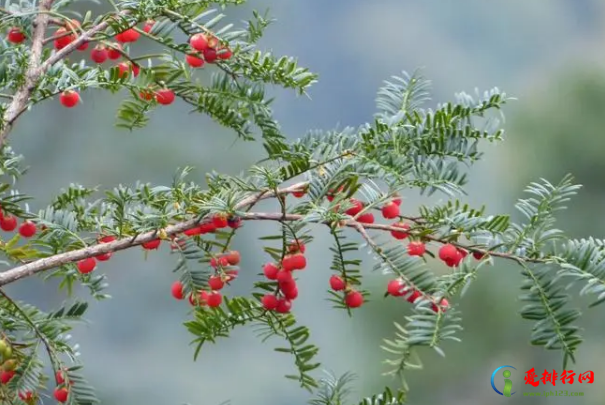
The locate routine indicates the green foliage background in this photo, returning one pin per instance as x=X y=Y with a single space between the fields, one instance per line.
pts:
x=547 y=54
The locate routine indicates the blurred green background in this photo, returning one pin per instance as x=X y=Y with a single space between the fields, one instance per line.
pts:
x=546 y=54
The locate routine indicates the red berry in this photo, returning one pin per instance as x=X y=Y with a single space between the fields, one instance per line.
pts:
x=61 y=394
x=6 y=376
x=397 y=200
x=199 y=42
x=214 y=299
x=219 y=262
x=194 y=61
x=234 y=222
x=231 y=275
x=27 y=229
x=294 y=262
x=396 y=288
x=478 y=255
x=271 y=270
x=83 y=46
x=177 y=290
x=224 y=53
x=233 y=257
x=284 y=276
x=107 y=239
x=220 y=221
x=354 y=299
x=130 y=35
x=26 y=396
x=337 y=283
x=165 y=96
x=201 y=298
x=443 y=306
x=269 y=302
x=152 y=244
x=299 y=194
x=69 y=98
x=207 y=227
x=212 y=42
x=356 y=208
x=216 y=283
x=193 y=231
x=64 y=39
x=15 y=35
x=85 y=266
x=367 y=218
x=209 y=55
x=103 y=257
x=416 y=248
x=448 y=252
x=290 y=291
x=113 y=52
x=297 y=246
x=284 y=305
x=390 y=211
x=124 y=69
x=8 y=223
x=400 y=234
x=99 y=54
x=413 y=296
x=463 y=253
x=332 y=193
x=148 y=26
x=59 y=377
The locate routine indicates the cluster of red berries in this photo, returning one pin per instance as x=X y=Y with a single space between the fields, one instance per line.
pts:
x=8 y=223
x=205 y=49
x=287 y=289
x=352 y=298
x=224 y=265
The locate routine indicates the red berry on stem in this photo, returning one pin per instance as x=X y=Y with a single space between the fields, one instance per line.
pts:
x=284 y=305
x=85 y=266
x=152 y=244
x=124 y=69
x=27 y=229
x=165 y=96
x=113 y=52
x=400 y=234
x=83 y=46
x=290 y=291
x=26 y=396
x=214 y=299
x=207 y=227
x=396 y=288
x=234 y=222
x=367 y=218
x=177 y=290
x=69 y=98
x=224 y=53
x=99 y=54
x=193 y=231
x=61 y=394
x=216 y=283
x=299 y=194
x=148 y=26
x=413 y=296
x=397 y=200
x=194 y=61
x=297 y=246
x=64 y=38
x=233 y=257
x=103 y=257
x=15 y=35
x=220 y=221
x=337 y=283
x=269 y=302
x=199 y=42
x=219 y=262
x=478 y=255
x=107 y=239
x=448 y=252
x=390 y=211
x=6 y=376
x=356 y=209
x=59 y=377
x=354 y=299
x=8 y=223
x=271 y=270
x=284 y=276
x=209 y=55
x=416 y=248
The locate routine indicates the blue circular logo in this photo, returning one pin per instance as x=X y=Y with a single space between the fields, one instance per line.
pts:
x=508 y=383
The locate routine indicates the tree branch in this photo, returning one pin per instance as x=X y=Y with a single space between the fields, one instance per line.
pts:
x=61 y=259
x=32 y=74
x=36 y=68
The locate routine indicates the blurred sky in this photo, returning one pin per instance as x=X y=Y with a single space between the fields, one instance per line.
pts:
x=136 y=350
